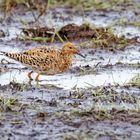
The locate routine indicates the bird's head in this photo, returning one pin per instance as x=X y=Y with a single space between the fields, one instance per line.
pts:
x=70 y=49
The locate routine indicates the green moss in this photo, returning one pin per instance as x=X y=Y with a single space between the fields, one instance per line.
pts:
x=136 y=23
x=90 y=4
x=8 y=104
x=38 y=39
x=85 y=4
x=126 y=22
x=135 y=81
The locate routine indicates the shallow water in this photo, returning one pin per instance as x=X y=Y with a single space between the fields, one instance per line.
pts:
x=67 y=80
x=116 y=75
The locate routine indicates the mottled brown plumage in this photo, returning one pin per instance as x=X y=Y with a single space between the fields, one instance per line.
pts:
x=48 y=61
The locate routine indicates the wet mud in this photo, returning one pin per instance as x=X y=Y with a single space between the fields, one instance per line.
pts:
x=97 y=98
x=98 y=37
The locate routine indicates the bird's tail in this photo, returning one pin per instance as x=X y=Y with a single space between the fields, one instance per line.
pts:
x=2 y=53
x=6 y=54
x=16 y=56
x=10 y=55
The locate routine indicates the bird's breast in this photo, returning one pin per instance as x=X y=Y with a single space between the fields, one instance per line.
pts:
x=65 y=63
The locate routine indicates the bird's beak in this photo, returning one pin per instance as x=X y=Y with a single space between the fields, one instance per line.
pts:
x=78 y=53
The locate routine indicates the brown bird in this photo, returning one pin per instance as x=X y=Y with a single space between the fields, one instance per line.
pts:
x=47 y=61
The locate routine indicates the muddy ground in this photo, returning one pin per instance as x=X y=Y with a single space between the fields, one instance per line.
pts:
x=97 y=98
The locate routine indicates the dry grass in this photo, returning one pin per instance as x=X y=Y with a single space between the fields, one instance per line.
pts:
x=41 y=7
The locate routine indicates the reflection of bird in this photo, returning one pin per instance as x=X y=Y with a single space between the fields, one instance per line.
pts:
x=46 y=61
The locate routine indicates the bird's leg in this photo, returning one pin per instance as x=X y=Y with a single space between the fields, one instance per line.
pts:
x=29 y=75
x=29 y=82
x=36 y=79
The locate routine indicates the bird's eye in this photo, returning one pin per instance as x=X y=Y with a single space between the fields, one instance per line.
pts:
x=70 y=47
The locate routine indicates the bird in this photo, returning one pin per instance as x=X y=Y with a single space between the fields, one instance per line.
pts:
x=46 y=60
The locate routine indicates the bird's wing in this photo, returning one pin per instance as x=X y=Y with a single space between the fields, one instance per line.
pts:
x=40 y=51
x=46 y=63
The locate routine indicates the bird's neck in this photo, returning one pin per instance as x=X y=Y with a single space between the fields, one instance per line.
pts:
x=66 y=56
x=66 y=61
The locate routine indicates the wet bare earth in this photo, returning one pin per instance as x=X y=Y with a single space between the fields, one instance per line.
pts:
x=97 y=98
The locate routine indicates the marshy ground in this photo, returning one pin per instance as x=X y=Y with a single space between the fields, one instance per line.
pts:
x=98 y=97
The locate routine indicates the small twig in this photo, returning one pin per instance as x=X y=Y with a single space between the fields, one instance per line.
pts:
x=7 y=62
x=59 y=37
x=43 y=8
x=28 y=5
x=97 y=64
x=54 y=33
